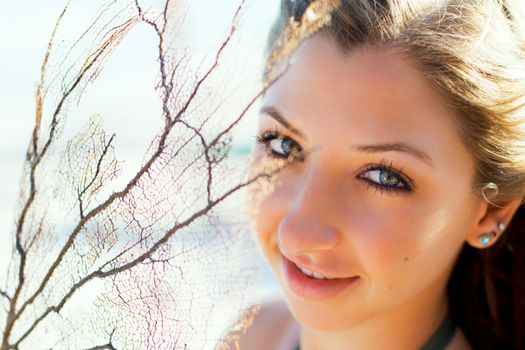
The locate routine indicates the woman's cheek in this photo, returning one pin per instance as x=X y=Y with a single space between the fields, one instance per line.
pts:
x=380 y=240
x=267 y=212
x=388 y=233
x=269 y=202
x=260 y=192
x=406 y=255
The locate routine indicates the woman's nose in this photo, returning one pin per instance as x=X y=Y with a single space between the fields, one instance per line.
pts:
x=310 y=223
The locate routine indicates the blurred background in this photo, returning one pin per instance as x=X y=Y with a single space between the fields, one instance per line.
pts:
x=123 y=99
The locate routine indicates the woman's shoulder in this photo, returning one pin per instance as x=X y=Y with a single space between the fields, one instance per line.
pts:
x=273 y=328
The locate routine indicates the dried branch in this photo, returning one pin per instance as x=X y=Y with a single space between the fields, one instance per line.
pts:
x=103 y=274
x=120 y=232
x=14 y=316
x=95 y=176
x=30 y=156
x=39 y=91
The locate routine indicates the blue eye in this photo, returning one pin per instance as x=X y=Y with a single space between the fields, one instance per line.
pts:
x=385 y=178
x=382 y=177
x=282 y=146
x=279 y=146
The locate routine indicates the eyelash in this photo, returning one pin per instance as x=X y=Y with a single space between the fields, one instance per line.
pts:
x=408 y=184
x=264 y=138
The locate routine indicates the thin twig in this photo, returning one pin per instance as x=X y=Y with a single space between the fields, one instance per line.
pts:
x=30 y=157
x=103 y=274
x=5 y=295
x=84 y=220
x=95 y=176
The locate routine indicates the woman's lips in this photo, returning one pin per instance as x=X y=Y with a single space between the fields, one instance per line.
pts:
x=310 y=288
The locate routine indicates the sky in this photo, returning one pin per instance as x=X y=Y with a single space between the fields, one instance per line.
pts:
x=122 y=98
x=123 y=93
x=25 y=28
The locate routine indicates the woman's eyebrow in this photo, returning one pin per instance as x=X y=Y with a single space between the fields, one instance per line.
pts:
x=374 y=148
x=396 y=147
x=275 y=114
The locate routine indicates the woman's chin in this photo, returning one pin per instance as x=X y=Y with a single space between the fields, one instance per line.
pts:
x=322 y=316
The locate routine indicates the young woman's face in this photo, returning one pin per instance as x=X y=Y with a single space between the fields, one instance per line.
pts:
x=379 y=199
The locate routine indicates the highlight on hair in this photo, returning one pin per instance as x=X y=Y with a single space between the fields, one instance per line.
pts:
x=473 y=51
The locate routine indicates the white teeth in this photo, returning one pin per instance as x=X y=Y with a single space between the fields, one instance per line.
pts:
x=311 y=273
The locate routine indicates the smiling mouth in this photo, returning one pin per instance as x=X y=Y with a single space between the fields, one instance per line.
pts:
x=310 y=274
x=310 y=285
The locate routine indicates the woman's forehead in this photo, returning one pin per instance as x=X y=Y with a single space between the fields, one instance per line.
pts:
x=368 y=94
x=383 y=75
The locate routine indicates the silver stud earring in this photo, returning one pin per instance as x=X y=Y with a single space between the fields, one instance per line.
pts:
x=501 y=226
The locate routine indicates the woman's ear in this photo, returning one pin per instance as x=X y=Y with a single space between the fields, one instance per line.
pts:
x=492 y=222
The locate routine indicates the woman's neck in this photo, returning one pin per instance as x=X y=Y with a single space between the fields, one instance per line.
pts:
x=407 y=326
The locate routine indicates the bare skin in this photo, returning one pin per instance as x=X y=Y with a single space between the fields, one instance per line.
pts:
x=383 y=196
x=274 y=328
